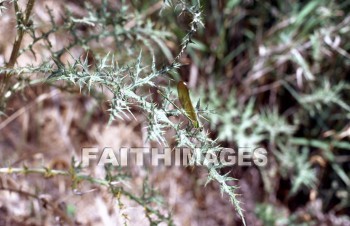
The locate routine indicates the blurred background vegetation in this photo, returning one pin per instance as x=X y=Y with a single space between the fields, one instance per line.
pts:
x=276 y=73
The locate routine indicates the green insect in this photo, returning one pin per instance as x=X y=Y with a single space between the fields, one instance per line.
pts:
x=186 y=103
x=185 y=100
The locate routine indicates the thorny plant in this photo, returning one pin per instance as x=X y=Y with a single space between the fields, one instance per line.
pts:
x=149 y=198
x=114 y=74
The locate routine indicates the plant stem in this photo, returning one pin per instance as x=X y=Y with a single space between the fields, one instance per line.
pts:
x=4 y=78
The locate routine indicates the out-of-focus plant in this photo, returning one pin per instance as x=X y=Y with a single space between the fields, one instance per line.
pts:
x=282 y=70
